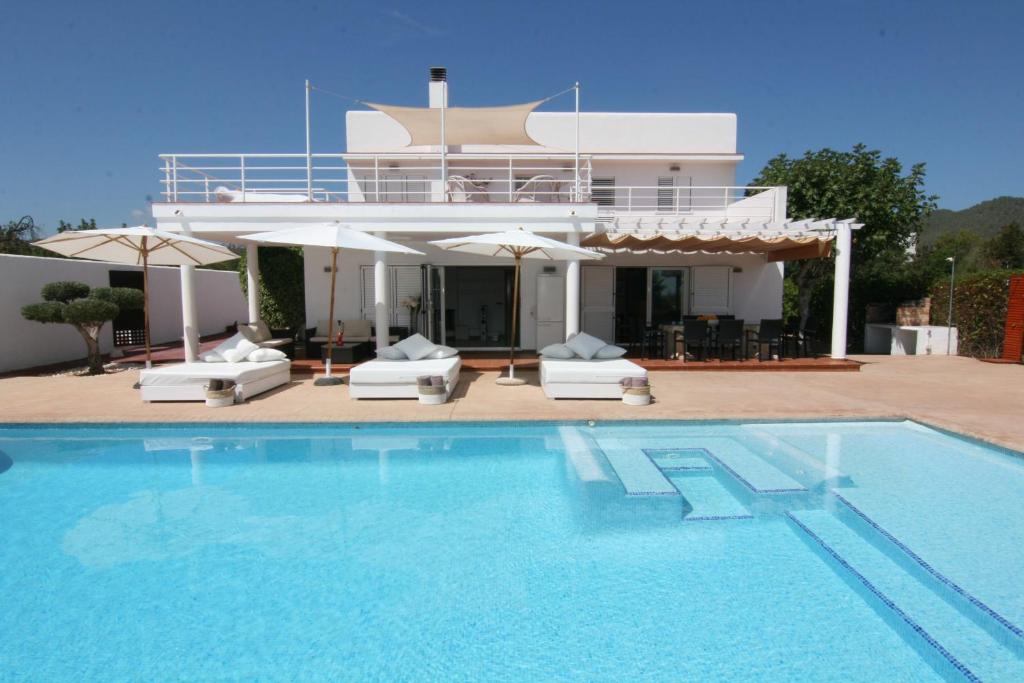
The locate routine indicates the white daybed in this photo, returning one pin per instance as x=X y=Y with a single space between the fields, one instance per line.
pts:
x=579 y=378
x=381 y=378
x=185 y=381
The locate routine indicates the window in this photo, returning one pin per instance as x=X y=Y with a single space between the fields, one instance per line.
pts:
x=602 y=191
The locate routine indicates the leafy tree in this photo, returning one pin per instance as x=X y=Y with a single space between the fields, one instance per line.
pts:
x=282 y=289
x=859 y=184
x=16 y=237
x=83 y=224
x=85 y=309
x=931 y=262
x=1006 y=249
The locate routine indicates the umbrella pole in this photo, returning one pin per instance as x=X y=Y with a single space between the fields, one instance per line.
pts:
x=328 y=379
x=145 y=299
x=511 y=380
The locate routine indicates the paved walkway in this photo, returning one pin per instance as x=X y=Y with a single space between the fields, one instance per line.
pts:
x=961 y=394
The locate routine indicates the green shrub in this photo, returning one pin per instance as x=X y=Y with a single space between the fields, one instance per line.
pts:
x=282 y=286
x=85 y=309
x=65 y=291
x=979 y=311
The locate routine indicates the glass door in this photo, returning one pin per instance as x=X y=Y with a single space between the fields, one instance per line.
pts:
x=668 y=295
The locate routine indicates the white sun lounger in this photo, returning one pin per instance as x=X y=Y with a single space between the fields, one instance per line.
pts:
x=397 y=378
x=185 y=381
x=579 y=378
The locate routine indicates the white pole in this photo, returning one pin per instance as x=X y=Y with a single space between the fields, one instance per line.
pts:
x=841 y=291
x=309 y=150
x=444 y=144
x=382 y=316
x=189 y=318
x=949 y=316
x=252 y=280
x=576 y=185
x=572 y=290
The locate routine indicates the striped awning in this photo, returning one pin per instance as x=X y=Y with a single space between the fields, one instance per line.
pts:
x=778 y=241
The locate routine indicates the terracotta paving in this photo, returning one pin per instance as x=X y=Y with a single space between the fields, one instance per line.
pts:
x=982 y=399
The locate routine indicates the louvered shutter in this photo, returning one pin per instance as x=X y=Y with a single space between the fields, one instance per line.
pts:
x=666 y=193
x=602 y=191
x=406 y=282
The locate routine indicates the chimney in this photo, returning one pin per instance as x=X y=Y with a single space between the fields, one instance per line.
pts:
x=438 y=89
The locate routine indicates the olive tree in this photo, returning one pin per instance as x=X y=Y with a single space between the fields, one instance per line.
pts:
x=84 y=308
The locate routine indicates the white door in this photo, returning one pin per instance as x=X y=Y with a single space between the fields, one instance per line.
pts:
x=711 y=290
x=598 y=301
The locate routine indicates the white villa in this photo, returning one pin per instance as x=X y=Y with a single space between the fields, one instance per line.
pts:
x=656 y=192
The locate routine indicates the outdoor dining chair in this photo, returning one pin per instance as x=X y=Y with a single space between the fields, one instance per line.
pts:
x=769 y=333
x=694 y=334
x=730 y=336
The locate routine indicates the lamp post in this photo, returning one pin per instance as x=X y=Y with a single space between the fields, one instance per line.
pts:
x=949 y=315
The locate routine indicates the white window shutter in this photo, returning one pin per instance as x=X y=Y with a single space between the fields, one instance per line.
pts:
x=711 y=290
x=666 y=193
x=406 y=282
x=368 y=308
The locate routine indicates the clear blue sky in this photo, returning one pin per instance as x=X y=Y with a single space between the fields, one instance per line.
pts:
x=93 y=91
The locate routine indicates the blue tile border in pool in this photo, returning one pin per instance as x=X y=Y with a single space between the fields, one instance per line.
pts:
x=941 y=578
x=946 y=654
x=734 y=473
x=716 y=518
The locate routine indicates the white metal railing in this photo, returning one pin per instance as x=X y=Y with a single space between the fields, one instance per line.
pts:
x=417 y=178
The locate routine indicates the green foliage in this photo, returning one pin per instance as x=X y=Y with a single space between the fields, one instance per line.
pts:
x=83 y=224
x=985 y=218
x=16 y=237
x=282 y=286
x=1006 y=249
x=85 y=309
x=979 y=310
x=859 y=184
x=44 y=312
x=790 y=299
x=65 y=291
x=90 y=312
x=125 y=298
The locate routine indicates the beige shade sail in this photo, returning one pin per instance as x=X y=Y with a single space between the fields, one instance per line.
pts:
x=782 y=248
x=464 y=125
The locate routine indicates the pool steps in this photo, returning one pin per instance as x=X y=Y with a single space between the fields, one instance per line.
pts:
x=637 y=472
x=949 y=637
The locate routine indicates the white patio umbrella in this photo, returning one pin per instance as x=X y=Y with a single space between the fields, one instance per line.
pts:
x=142 y=246
x=518 y=244
x=335 y=237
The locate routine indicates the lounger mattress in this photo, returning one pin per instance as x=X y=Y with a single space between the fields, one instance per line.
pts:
x=181 y=374
x=580 y=371
x=403 y=372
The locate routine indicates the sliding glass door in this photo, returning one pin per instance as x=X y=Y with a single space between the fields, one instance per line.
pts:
x=668 y=295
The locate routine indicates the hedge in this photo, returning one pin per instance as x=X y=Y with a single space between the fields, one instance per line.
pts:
x=979 y=310
x=282 y=286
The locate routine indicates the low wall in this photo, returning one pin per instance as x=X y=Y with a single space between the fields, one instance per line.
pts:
x=25 y=344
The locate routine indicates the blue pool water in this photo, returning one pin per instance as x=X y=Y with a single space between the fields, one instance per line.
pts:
x=662 y=551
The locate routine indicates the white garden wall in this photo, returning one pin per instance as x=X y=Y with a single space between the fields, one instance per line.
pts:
x=25 y=344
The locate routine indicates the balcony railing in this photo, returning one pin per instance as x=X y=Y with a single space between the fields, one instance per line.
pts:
x=421 y=178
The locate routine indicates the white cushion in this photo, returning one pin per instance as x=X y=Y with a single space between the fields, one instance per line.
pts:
x=262 y=355
x=391 y=353
x=249 y=331
x=585 y=345
x=384 y=372
x=557 y=351
x=357 y=329
x=211 y=357
x=230 y=343
x=579 y=371
x=443 y=352
x=610 y=351
x=201 y=373
x=240 y=352
x=416 y=347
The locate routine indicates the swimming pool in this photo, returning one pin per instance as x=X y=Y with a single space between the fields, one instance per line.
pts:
x=529 y=551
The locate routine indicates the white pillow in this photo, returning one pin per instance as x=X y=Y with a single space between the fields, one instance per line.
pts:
x=391 y=353
x=585 y=345
x=443 y=352
x=416 y=347
x=229 y=343
x=264 y=355
x=211 y=357
x=559 y=351
x=240 y=351
x=610 y=351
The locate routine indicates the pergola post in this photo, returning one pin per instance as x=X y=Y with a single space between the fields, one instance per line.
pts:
x=841 y=290
x=252 y=280
x=382 y=318
x=572 y=289
x=189 y=315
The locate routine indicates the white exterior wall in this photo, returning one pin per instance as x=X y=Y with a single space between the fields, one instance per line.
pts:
x=26 y=344
x=756 y=290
